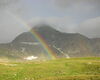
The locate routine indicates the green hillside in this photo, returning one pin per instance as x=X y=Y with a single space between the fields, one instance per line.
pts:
x=61 y=69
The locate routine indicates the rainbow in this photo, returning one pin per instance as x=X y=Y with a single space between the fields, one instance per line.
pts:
x=44 y=44
x=49 y=51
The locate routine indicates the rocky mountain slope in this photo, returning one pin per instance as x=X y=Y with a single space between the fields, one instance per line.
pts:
x=62 y=44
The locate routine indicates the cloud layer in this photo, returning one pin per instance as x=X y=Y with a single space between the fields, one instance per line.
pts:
x=67 y=3
x=4 y=3
x=70 y=16
x=90 y=27
x=60 y=23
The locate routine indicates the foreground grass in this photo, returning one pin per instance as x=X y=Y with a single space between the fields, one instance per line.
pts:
x=61 y=69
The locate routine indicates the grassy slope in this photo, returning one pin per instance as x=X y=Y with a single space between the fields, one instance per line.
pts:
x=61 y=69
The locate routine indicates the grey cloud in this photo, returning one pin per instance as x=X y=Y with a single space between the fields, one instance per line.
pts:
x=90 y=28
x=66 y=3
x=63 y=24
x=9 y=27
x=4 y=3
x=62 y=3
x=79 y=8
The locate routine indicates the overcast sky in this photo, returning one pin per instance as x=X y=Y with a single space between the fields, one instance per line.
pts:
x=71 y=16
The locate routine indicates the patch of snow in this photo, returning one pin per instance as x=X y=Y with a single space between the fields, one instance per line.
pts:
x=31 y=58
x=30 y=43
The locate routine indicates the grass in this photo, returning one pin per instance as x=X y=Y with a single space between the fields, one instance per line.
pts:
x=60 y=69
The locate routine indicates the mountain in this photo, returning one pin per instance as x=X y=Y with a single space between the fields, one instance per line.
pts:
x=62 y=44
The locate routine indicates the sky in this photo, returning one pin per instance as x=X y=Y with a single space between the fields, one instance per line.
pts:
x=70 y=16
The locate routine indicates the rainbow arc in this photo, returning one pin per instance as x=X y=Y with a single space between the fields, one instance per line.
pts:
x=44 y=44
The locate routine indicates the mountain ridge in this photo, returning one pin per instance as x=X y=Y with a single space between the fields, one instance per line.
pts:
x=63 y=44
